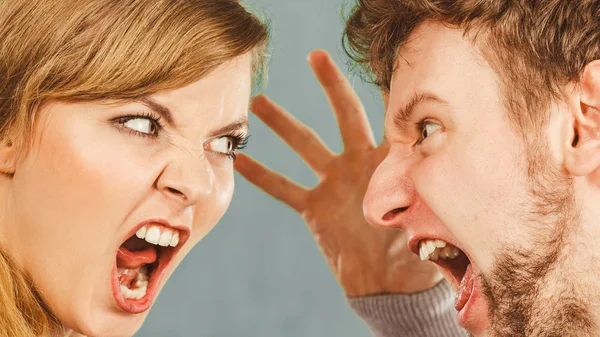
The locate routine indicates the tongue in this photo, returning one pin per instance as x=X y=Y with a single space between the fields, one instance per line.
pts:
x=135 y=259
x=465 y=289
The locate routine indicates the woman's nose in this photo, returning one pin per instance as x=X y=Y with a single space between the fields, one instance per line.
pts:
x=389 y=196
x=188 y=178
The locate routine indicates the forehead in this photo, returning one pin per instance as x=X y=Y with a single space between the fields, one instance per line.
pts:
x=438 y=60
x=221 y=95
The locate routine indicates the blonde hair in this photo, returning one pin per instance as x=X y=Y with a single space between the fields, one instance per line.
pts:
x=22 y=311
x=103 y=49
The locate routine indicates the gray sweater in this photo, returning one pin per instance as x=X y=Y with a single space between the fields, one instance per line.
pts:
x=426 y=314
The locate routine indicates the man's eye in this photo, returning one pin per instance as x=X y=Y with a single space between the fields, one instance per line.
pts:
x=142 y=124
x=223 y=145
x=428 y=128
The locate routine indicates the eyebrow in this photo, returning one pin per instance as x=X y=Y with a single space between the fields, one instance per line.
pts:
x=160 y=109
x=403 y=115
x=241 y=123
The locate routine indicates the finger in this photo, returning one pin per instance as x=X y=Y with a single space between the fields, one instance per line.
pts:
x=274 y=184
x=298 y=136
x=350 y=114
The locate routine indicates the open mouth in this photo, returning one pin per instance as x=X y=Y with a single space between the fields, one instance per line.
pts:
x=455 y=264
x=141 y=262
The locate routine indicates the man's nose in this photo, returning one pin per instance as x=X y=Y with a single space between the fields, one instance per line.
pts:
x=187 y=178
x=390 y=194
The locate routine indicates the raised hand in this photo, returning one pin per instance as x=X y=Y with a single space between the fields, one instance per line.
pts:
x=365 y=260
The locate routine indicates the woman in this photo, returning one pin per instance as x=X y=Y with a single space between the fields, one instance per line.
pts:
x=119 y=124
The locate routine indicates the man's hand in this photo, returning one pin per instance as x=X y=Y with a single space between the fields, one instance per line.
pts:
x=365 y=260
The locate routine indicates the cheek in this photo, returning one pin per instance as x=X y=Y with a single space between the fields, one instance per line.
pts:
x=208 y=214
x=475 y=189
x=73 y=186
x=70 y=198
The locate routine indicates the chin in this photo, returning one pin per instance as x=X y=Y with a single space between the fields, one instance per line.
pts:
x=110 y=324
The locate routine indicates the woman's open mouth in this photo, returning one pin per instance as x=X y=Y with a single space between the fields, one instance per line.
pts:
x=141 y=263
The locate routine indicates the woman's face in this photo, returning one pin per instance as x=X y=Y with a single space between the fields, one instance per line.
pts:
x=103 y=174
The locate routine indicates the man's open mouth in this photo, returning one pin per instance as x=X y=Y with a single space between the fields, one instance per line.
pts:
x=456 y=264
x=141 y=263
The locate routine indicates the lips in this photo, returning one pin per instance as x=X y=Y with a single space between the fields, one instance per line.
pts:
x=465 y=290
x=459 y=271
x=141 y=265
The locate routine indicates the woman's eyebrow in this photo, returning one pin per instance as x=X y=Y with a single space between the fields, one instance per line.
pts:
x=241 y=123
x=160 y=109
x=166 y=113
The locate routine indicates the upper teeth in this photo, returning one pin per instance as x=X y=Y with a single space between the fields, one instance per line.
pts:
x=158 y=235
x=434 y=249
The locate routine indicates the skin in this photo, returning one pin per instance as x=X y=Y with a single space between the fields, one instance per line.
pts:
x=465 y=181
x=91 y=180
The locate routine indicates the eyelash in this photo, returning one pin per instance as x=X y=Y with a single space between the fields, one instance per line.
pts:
x=120 y=121
x=240 y=141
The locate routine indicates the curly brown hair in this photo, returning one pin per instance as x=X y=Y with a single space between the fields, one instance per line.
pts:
x=535 y=46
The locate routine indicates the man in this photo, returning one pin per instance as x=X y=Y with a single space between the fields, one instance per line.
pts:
x=493 y=168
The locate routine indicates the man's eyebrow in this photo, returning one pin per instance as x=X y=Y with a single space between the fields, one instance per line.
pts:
x=241 y=123
x=160 y=109
x=404 y=114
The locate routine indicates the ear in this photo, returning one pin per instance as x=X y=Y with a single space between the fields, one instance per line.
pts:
x=583 y=151
x=7 y=157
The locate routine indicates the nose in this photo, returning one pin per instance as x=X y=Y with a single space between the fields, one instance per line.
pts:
x=187 y=178
x=390 y=194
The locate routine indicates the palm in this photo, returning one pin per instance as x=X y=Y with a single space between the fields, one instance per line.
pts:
x=365 y=260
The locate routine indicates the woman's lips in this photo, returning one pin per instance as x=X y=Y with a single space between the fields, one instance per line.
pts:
x=136 y=306
x=145 y=255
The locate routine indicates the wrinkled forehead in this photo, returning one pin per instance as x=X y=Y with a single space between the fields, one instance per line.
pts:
x=438 y=59
x=219 y=98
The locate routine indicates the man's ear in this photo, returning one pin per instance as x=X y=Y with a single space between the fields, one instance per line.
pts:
x=7 y=157
x=583 y=150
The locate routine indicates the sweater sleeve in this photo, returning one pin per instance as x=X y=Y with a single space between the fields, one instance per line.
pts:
x=426 y=314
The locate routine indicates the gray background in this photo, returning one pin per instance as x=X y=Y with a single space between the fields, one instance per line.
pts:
x=259 y=272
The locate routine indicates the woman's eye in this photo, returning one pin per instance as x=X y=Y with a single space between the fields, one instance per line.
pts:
x=142 y=125
x=428 y=129
x=223 y=145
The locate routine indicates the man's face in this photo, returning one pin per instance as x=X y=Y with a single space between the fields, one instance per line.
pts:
x=458 y=172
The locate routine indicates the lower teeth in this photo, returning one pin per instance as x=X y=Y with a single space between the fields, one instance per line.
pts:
x=140 y=284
